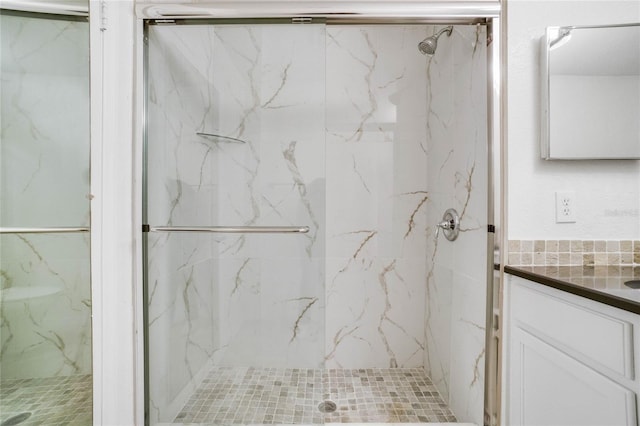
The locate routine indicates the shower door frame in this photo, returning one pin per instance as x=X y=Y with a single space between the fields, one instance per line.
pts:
x=486 y=13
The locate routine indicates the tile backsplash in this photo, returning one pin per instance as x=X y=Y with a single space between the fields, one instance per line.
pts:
x=574 y=252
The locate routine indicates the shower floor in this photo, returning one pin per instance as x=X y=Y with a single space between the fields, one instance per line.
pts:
x=63 y=400
x=292 y=396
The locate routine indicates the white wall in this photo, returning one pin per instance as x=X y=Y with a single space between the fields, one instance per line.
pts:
x=115 y=289
x=607 y=191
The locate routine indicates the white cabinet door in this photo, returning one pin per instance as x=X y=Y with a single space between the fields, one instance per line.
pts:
x=549 y=387
x=569 y=361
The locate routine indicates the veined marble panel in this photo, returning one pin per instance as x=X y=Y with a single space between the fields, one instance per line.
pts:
x=439 y=294
x=181 y=316
x=260 y=89
x=273 y=315
x=45 y=302
x=376 y=196
x=456 y=288
x=45 y=305
x=404 y=139
x=374 y=83
x=44 y=101
x=250 y=91
x=372 y=309
x=466 y=397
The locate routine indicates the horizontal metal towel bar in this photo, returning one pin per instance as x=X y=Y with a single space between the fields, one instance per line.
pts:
x=234 y=229
x=59 y=230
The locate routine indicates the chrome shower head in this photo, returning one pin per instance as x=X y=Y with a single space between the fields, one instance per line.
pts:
x=428 y=45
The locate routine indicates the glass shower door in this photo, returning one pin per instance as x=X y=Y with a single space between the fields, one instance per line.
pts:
x=235 y=195
x=352 y=144
x=45 y=300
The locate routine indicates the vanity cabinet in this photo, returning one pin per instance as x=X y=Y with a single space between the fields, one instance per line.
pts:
x=569 y=360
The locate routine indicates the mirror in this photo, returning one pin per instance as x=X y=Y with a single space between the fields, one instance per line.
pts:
x=591 y=92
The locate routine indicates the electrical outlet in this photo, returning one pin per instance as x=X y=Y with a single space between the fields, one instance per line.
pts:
x=565 y=207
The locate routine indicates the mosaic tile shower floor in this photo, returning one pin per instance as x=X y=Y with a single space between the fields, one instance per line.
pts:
x=292 y=396
x=64 y=400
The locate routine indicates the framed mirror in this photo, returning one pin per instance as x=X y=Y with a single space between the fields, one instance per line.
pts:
x=591 y=92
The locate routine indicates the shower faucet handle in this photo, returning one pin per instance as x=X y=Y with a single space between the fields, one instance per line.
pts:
x=450 y=225
x=447 y=224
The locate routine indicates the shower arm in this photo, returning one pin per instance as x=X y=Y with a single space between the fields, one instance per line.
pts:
x=445 y=29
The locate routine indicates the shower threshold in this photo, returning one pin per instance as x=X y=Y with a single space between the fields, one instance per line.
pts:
x=251 y=396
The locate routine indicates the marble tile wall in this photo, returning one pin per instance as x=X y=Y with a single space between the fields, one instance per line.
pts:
x=45 y=122
x=180 y=266
x=376 y=196
x=45 y=304
x=348 y=130
x=456 y=278
x=45 y=310
x=259 y=297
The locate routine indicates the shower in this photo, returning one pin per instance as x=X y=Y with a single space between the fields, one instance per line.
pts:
x=428 y=45
x=297 y=277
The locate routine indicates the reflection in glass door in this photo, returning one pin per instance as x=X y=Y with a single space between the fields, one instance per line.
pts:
x=45 y=300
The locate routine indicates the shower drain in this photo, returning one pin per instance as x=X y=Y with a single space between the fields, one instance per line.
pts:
x=327 y=406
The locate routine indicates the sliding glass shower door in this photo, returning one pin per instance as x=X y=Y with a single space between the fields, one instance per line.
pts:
x=295 y=172
x=235 y=192
x=45 y=292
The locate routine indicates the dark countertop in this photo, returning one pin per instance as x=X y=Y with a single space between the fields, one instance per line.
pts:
x=604 y=284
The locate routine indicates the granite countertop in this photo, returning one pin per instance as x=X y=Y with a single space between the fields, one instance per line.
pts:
x=603 y=284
